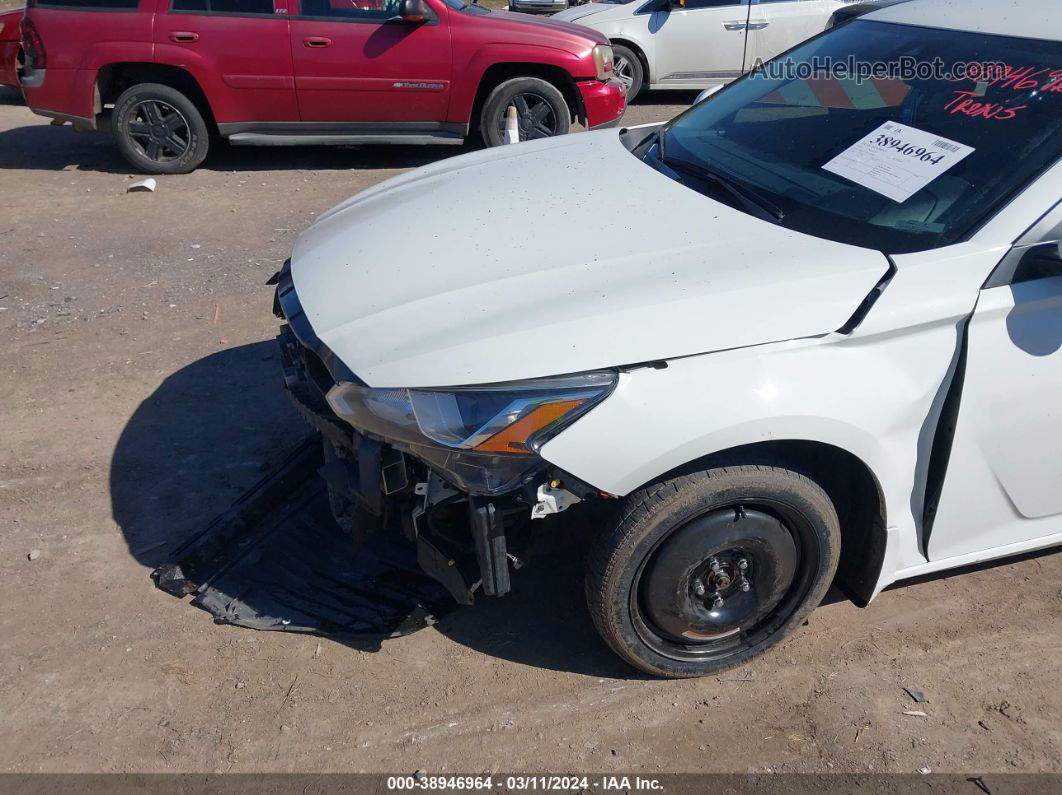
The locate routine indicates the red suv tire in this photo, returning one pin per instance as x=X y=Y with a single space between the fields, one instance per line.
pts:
x=542 y=111
x=159 y=130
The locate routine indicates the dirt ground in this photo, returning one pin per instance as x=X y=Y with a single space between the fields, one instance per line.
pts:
x=140 y=395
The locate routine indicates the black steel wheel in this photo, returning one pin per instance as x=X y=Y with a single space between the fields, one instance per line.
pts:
x=541 y=110
x=709 y=570
x=159 y=130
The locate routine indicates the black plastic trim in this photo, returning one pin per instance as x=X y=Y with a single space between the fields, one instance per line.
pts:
x=488 y=532
x=943 y=441
x=317 y=128
x=868 y=303
x=291 y=307
x=78 y=121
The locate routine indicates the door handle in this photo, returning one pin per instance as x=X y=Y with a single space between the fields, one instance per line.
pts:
x=184 y=37
x=758 y=25
x=317 y=41
x=734 y=25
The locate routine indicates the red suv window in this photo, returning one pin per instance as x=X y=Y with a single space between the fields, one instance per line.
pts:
x=253 y=7
x=349 y=9
x=89 y=5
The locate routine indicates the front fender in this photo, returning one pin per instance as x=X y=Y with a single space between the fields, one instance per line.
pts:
x=465 y=89
x=872 y=397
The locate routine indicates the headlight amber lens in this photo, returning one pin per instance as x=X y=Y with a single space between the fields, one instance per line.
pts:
x=516 y=437
x=484 y=439
x=506 y=419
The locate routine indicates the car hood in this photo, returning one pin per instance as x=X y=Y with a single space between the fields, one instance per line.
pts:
x=551 y=22
x=576 y=13
x=554 y=257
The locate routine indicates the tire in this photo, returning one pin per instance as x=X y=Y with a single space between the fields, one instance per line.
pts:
x=651 y=589
x=159 y=130
x=628 y=69
x=540 y=105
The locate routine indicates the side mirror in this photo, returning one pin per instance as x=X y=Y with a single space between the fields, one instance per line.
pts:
x=1039 y=262
x=413 y=10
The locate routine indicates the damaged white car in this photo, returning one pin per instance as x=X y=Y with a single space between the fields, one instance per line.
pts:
x=828 y=347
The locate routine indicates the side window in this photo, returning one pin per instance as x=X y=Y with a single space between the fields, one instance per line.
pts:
x=241 y=6
x=251 y=7
x=98 y=5
x=349 y=9
x=693 y=4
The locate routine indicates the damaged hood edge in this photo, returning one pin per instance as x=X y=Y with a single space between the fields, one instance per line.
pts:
x=503 y=265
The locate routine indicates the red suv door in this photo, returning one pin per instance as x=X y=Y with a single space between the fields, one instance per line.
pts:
x=357 y=61
x=238 y=50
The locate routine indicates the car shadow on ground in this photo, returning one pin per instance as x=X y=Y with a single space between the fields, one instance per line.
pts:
x=212 y=429
x=206 y=434
x=666 y=97
x=46 y=147
x=10 y=96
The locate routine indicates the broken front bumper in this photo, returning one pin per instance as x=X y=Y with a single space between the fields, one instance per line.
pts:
x=460 y=539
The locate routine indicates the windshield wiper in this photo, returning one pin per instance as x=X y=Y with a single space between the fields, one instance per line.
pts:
x=751 y=200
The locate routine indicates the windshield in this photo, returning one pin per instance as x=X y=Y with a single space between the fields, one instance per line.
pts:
x=900 y=161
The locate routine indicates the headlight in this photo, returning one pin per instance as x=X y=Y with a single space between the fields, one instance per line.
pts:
x=484 y=438
x=603 y=61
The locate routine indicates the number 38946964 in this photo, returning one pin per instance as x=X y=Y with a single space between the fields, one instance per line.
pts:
x=920 y=152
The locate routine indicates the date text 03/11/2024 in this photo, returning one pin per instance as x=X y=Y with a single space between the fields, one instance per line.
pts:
x=423 y=781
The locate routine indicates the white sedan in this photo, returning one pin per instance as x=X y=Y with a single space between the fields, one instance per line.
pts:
x=698 y=43
x=828 y=347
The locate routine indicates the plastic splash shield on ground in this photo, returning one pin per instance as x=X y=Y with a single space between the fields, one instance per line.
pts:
x=277 y=560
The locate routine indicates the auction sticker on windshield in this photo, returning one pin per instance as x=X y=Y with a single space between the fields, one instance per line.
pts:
x=897 y=160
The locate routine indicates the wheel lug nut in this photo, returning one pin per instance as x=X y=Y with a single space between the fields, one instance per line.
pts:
x=743 y=564
x=698 y=588
x=717 y=602
x=746 y=586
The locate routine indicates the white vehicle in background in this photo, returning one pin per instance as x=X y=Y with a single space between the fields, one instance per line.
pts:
x=538 y=6
x=696 y=44
x=828 y=348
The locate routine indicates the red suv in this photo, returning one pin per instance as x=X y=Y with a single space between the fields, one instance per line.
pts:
x=165 y=75
x=10 y=47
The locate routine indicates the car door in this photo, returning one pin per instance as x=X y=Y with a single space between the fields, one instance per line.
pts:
x=700 y=43
x=237 y=50
x=357 y=62
x=779 y=25
x=1003 y=481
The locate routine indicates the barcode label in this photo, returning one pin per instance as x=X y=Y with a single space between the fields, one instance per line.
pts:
x=939 y=144
x=897 y=160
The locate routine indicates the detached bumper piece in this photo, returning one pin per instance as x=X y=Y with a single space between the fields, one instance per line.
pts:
x=277 y=560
